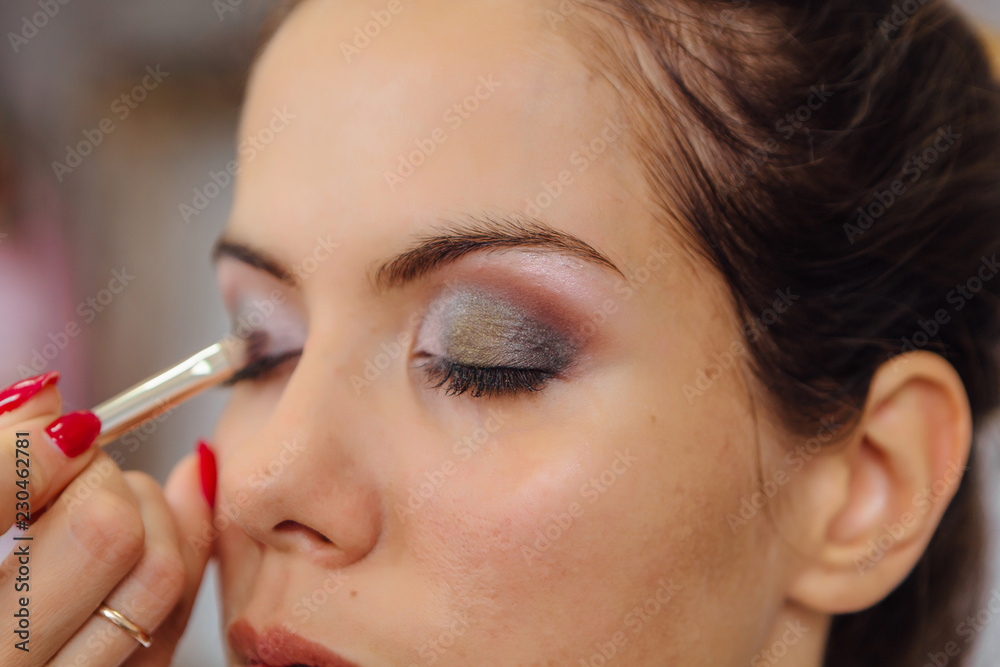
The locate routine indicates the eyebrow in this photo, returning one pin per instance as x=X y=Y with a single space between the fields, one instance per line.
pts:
x=449 y=243
x=444 y=245
x=254 y=257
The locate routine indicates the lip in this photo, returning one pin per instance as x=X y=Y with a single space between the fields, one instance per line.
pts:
x=277 y=647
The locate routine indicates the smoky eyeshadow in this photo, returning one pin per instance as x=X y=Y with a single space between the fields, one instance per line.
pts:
x=482 y=330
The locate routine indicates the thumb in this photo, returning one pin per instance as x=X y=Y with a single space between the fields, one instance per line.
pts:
x=190 y=492
x=189 y=504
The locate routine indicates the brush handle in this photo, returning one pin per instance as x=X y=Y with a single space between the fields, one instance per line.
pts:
x=163 y=391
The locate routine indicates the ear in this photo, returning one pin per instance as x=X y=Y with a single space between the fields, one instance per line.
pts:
x=874 y=502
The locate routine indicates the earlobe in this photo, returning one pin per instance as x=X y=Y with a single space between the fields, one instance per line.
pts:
x=905 y=461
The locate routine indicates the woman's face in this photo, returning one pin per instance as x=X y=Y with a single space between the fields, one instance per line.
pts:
x=569 y=505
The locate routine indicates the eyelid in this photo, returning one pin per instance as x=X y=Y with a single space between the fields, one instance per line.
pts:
x=262 y=321
x=477 y=326
x=240 y=284
x=261 y=355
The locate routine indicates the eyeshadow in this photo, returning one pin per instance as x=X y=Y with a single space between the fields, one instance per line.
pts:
x=482 y=330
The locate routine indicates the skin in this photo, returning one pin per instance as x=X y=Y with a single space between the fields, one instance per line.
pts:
x=319 y=526
x=103 y=536
x=459 y=561
x=463 y=579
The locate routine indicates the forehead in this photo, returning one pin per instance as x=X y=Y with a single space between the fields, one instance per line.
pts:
x=360 y=49
x=395 y=118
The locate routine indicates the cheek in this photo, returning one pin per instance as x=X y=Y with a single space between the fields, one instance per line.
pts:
x=247 y=411
x=235 y=551
x=237 y=561
x=593 y=516
x=511 y=549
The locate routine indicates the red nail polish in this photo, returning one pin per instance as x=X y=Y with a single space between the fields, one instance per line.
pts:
x=21 y=392
x=74 y=432
x=209 y=473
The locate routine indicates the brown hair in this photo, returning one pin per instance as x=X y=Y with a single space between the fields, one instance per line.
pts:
x=850 y=150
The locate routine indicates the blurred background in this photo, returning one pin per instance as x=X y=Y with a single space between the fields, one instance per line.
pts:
x=113 y=113
x=101 y=275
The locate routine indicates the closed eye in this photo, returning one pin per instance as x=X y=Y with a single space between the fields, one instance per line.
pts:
x=484 y=381
x=261 y=367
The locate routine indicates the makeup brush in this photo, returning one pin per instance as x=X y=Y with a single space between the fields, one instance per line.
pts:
x=165 y=390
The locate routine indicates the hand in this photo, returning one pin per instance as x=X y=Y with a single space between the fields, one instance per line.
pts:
x=100 y=535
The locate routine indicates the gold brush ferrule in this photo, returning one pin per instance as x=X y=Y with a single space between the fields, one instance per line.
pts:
x=165 y=390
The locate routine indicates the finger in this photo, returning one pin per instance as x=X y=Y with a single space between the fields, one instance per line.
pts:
x=146 y=596
x=29 y=398
x=193 y=518
x=34 y=465
x=186 y=497
x=80 y=549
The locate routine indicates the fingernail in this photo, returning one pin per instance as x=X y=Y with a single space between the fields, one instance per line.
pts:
x=21 y=392
x=74 y=432
x=209 y=473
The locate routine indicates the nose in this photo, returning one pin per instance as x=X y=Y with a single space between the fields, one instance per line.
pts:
x=301 y=481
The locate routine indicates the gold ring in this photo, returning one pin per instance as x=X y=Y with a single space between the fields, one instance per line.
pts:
x=128 y=626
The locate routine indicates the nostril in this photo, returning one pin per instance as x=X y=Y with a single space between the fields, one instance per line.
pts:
x=289 y=526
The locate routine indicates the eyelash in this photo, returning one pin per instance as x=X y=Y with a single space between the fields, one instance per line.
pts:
x=480 y=381
x=261 y=367
x=489 y=382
